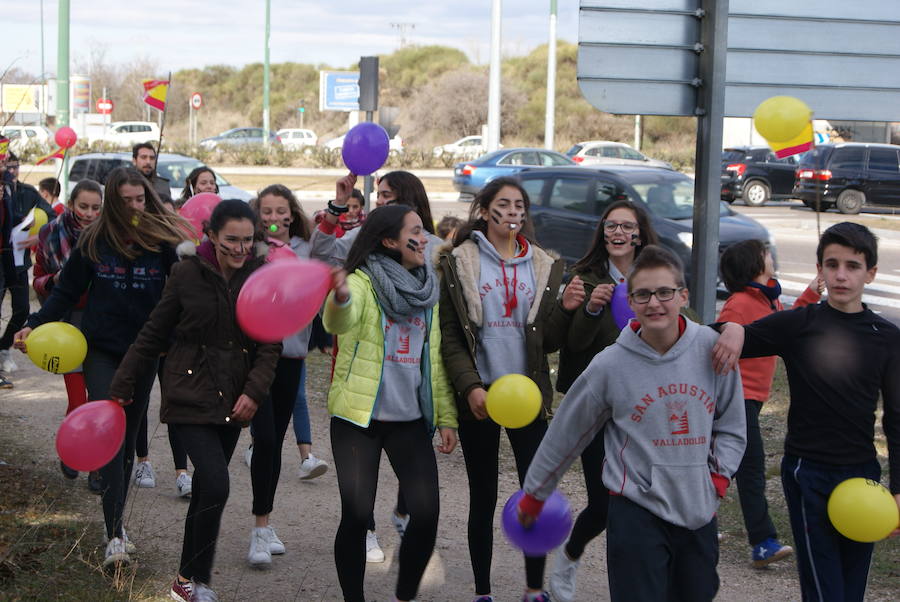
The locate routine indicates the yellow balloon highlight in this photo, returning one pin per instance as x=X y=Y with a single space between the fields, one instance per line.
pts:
x=513 y=401
x=40 y=218
x=781 y=118
x=56 y=347
x=863 y=510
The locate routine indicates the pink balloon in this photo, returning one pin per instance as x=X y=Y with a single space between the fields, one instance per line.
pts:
x=91 y=435
x=198 y=208
x=65 y=137
x=278 y=251
x=281 y=298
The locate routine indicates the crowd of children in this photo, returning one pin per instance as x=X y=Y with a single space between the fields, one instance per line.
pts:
x=422 y=319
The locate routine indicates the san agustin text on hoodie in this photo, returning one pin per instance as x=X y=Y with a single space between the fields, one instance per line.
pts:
x=671 y=422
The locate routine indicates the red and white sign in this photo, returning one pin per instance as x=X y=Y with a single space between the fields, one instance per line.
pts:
x=104 y=106
x=196 y=100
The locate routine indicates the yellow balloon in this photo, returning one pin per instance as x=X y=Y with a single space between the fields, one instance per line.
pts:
x=781 y=118
x=513 y=401
x=40 y=218
x=863 y=510
x=56 y=347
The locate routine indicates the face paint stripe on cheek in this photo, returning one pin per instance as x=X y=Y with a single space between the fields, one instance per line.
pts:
x=412 y=244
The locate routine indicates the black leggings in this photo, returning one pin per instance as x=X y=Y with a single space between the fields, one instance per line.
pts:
x=480 y=440
x=99 y=368
x=592 y=520
x=210 y=447
x=19 y=303
x=270 y=423
x=357 y=456
x=179 y=455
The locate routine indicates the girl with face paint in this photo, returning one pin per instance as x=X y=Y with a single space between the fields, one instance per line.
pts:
x=201 y=179
x=499 y=315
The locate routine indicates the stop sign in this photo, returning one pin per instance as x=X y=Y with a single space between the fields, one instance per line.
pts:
x=104 y=106
x=196 y=100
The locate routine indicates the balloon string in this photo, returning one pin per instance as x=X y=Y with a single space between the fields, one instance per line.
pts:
x=512 y=240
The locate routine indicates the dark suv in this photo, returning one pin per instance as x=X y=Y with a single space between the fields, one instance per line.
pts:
x=567 y=202
x=848 y=176
x=755 y=174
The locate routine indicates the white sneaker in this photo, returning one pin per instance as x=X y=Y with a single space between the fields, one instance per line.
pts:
x=116 y=553
x=129 y=546
x=276 y=546
x=400 y=522
x=6 y=362
x=202 y=593
x=183 y=484
x=143 y=475
x=562 y=579
x=248 y=455
x=373 y=550
x=259 y=555
x=312 y=467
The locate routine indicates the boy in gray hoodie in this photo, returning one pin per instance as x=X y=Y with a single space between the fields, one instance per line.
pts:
x=675 y=435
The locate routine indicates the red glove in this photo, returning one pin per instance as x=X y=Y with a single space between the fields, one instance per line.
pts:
x=720 y=482
x=529 y=509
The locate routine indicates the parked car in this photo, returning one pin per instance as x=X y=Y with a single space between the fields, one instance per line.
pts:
x=21 y=136
x=603 y=152
x=296 y=138
x=468 y=147
x=175 y=168
x=470 y=177
x=567 y=202
x=129 y=133
x=849 y=176
x=394 y=144
x=239 y=137
x=754 y=174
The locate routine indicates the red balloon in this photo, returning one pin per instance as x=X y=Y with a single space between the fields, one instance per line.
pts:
x=198 y=208
x=281 y=298
x=91 y=435
x=66 y=137
x=279 y=251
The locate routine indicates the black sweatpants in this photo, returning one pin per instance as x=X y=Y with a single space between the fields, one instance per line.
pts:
x=179 y=455
x=831 y=566
x=210 y=447
x=357 y=456
x=649 y=559
x=480 y=440
x=17 y=285
x=592 y=520
x=270 y=424
x=751 y=481
x=99 y=368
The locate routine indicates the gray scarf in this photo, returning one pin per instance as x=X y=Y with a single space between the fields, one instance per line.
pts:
x=401 y=292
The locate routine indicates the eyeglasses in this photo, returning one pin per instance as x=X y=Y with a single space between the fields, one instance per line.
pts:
x=627 y=227
x=642 y=296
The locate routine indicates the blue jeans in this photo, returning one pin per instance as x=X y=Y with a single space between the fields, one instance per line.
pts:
x=302 y=430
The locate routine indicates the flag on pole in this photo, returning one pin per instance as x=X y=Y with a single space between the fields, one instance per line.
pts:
x=155 y=91
x=801 y=143
x=59 y=153
x=4 y=147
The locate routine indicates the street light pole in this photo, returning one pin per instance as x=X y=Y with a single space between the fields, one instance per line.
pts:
x=550 y=118
x=493 y=134
x=62 y=90
x=266 y=78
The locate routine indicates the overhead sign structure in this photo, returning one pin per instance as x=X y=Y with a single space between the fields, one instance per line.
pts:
x=338 y=91
x=196 y=100
x=105 y=106
x=641 y=57
x=23 y=98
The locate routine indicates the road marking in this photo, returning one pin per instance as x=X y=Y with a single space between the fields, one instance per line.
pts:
x=799 y=287
x=875 y=286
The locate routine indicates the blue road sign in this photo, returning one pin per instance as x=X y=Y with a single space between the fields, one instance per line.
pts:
x=338 y=91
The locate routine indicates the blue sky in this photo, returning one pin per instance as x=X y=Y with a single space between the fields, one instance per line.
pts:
x=193 y=33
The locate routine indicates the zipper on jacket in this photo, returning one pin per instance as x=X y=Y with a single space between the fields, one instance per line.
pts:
x=352 y=358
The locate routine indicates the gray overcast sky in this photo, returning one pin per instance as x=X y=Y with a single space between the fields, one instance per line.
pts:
x=194 y=33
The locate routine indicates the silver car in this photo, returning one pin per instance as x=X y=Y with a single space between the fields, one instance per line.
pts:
x=604 y=152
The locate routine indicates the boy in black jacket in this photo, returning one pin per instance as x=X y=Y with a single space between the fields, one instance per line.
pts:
x=839 y=356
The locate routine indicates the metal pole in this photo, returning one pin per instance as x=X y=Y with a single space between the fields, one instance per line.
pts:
x=638 y=132
x=62 y=90
x=493 y=136
x=707 y=185
x=550 y=118
x=266 y=78
x=43 y=69
x=190 y=122
x=368 y=181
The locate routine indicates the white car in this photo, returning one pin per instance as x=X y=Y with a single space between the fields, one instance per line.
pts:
x=21 y=136
x=297 y=139
x=469 y=147
x=129 y=133
x=394 y=144
x=597 y=152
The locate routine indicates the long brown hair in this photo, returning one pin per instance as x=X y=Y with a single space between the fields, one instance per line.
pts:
x=299 y=222
x=409 y=190
x=483 y=200
x=127 y=232
x=597 y=257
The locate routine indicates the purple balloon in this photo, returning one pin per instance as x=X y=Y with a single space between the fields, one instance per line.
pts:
x=365 y=148
x=549 y=530
x=619 y=307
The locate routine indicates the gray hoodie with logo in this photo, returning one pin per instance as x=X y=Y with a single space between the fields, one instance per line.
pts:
x=670 y=421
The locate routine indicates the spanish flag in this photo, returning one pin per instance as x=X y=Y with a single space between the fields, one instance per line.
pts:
x=4 y=147
x=155 y=91
x=59 y=153
x=801 y=143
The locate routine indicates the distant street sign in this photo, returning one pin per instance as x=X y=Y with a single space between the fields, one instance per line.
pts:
x=104 y=106
x=338 y=91
x=196 y=101
x=841 y=58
